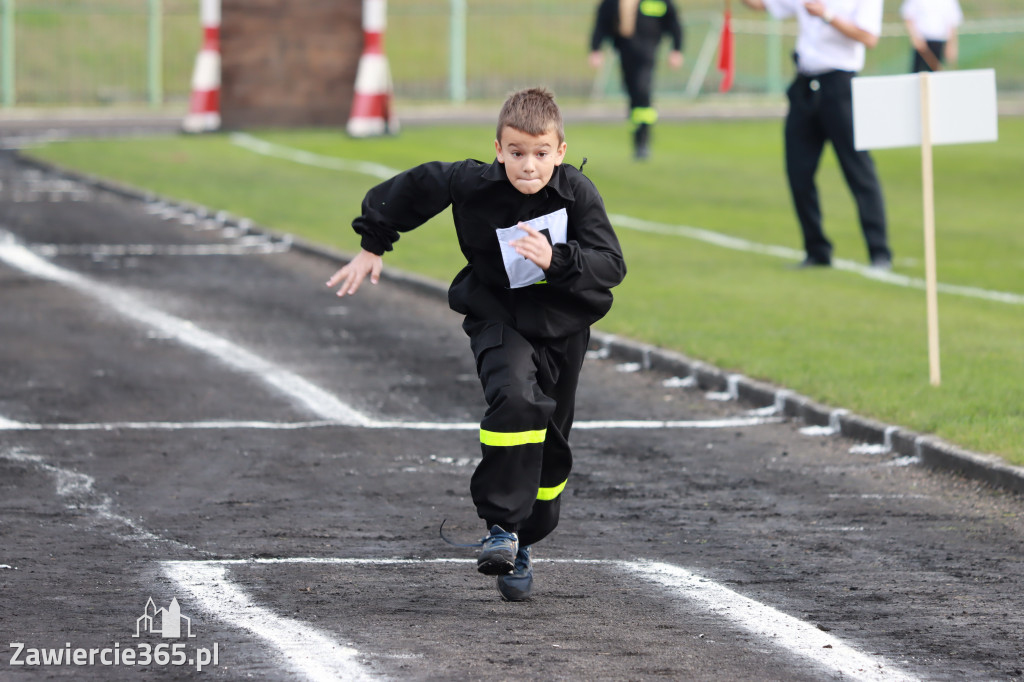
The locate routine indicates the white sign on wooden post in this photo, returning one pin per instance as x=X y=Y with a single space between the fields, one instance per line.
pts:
x=950 y=107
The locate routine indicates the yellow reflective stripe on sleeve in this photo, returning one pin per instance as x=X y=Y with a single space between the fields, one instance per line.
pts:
x=653 y=8
x=505 y=440
x=548 y=494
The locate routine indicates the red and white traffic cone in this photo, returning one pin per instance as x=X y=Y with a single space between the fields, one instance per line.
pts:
x=204 y=108
x=371 y=106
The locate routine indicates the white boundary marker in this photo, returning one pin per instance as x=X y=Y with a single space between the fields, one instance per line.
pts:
x=305 y=649
x=778 y=628
x=259 y=146
x=734 y=422
x=738 y=244
x=319 y=658
x=257 y=247
x=313 y=398
x=80 y=490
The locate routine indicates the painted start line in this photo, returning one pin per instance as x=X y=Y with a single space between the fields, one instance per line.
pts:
x=318 y=657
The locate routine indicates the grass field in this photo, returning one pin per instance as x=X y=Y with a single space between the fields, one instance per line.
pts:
x=834 y=335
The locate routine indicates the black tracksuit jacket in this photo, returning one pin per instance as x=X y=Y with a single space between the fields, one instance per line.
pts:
x=650 y=27
x=577 y=289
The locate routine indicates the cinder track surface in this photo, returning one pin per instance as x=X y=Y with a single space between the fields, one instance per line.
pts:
x=188 y=413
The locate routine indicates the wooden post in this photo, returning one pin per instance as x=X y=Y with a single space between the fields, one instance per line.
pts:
x=928 y=186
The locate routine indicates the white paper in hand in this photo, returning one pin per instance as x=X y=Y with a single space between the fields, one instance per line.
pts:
x=521 y=271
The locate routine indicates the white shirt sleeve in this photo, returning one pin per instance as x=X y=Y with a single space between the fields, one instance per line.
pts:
x=781 y=9
x=868 y=16
x=907 y=10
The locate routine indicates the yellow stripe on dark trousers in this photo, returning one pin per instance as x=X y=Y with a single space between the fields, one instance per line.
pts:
x=530 y=389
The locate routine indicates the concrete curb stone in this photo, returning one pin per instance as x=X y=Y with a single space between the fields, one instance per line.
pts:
x=928 y=450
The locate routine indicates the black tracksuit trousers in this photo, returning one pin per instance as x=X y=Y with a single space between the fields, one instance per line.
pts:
x=530 y=388
x=820 y=110
x=637 y=63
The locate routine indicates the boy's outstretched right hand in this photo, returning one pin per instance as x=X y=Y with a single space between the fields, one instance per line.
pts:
x=353 y=274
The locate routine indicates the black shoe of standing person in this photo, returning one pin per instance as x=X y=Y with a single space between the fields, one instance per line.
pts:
x=883 y=263
x=642 y=142
x=811 y=263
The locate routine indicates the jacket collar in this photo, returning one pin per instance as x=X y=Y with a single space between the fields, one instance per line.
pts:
x=496 y=173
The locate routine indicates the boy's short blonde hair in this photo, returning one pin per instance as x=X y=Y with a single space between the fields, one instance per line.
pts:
x=532 y=111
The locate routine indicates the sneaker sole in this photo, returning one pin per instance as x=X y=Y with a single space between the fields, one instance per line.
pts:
x=495 y=565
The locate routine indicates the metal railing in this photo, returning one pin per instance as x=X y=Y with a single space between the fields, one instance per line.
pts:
x=457 y=50
x=62 y=53
x=96 y=52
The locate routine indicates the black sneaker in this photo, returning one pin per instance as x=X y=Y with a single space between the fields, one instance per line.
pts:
x=517 y=585
x=642 y=142
x=498 y=552
x=810 y=263
x=883 y=263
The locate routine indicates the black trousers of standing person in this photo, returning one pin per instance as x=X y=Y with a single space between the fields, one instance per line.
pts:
x=637 y=60
x=937 y=47
x=821 y=110
x=530 y=388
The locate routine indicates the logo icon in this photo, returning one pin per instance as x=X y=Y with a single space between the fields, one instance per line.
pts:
x=163 y=622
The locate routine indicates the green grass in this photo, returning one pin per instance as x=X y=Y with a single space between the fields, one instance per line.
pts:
x=837 y=337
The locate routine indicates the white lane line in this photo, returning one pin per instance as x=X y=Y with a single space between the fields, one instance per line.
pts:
x=877 y=496
x=207 y=581
x=261 y=247
x=738 y=244
x=254 y=144
x=79 y=490
x=305 y=649
x=303 y=392
x=681 y=424
x=9 y=425
x=774 y=626
x=629 y=222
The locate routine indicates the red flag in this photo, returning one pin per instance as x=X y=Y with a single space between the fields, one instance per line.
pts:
x=726 y=61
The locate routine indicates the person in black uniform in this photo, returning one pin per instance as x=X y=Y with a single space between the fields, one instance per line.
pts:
x=636 y=28
x=542 y=258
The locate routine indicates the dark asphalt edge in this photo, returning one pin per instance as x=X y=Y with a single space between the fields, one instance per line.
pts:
x=931 y=451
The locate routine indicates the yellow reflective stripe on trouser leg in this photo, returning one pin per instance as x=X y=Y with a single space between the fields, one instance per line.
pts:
x=504 y=440
x=548 y=494
x=648 y=115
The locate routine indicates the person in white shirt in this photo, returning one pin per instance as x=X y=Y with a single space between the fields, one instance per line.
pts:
x=932 y=26
x=832 y=38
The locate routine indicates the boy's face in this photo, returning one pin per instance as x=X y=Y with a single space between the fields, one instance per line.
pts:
x=529 y=160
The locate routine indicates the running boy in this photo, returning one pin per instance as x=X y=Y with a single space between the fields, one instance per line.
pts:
x=541 y=261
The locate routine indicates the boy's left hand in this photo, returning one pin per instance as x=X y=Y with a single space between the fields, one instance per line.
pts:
x=535 y=247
